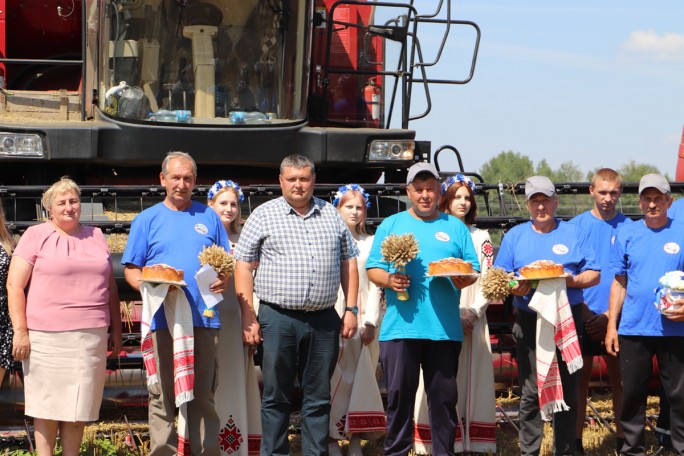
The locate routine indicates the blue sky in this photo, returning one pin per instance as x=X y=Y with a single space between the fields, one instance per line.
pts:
x=598 y=83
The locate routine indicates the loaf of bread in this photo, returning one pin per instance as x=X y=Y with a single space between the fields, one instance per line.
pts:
x=448 y=266
x=162 y=272
x=542 y=269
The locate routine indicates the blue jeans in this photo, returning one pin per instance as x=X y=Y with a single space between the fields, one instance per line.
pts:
x=304 y=344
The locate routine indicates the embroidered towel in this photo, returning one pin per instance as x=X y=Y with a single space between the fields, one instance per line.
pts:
x=555 y=328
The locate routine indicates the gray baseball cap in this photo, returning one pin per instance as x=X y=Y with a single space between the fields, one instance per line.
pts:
x=654 y=181
x=421 y=167
x=539 y=184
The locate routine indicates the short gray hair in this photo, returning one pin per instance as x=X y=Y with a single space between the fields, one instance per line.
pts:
x=62 y=186
x=178 y=154
x=298 y=162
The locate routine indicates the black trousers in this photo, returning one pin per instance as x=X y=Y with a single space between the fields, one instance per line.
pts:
x=401 y=361
x=636 y=362
x=531 y=425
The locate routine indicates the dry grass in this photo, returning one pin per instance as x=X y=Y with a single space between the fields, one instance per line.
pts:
x=598 y=440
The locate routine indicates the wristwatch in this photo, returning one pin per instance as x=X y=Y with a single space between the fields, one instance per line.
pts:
x=354 y=310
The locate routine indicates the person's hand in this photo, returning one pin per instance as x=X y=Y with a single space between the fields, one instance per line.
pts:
x=367 y=334
x=522 y=288
x=468 y=323
x=462 y=281
x=220 y=284
x=596 y=326
x=675 y=314
x=349 y=325
x=398 y=282
x=612 y=344
x=114 y=344
x=251 y=330
x=21 y=346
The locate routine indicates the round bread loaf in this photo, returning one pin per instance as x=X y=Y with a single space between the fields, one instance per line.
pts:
x=450 y=266
x=162 y=272
x=542 y=269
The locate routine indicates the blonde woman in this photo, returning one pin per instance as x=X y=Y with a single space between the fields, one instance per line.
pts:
x=6 y=247
x=352 y=410
x=237 y=395
x=62 y=301
x=475 y=377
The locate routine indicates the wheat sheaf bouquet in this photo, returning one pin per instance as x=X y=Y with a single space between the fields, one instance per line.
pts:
x=217 y=257
x=398 y=250
x=496 y=284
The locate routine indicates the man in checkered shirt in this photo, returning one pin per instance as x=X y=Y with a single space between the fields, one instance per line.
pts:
x=294 y=252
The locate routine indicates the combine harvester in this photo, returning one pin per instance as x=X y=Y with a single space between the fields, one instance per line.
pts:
x=101 y=91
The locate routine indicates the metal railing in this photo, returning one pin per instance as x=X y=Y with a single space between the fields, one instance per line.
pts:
x=502 y=205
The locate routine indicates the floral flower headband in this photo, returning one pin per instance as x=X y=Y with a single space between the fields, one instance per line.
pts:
x=213 y=191
x=355 y=187
x=457 y=178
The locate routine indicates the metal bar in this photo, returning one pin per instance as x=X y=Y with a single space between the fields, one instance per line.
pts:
x=601 y=419
x=42 y=61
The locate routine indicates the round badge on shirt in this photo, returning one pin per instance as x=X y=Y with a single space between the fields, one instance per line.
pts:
x=560 y=249
x=201 y=229
x=442 y=236
x=671 y=248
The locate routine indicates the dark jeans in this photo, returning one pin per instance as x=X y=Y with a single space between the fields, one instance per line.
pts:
x=304 y=344
x=401 y=361
x=636 y=362
x=531 y=425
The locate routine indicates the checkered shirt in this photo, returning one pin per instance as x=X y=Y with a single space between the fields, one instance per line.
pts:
x=299 y=257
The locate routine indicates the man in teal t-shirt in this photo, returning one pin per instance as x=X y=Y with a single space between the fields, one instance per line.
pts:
x=425 y=330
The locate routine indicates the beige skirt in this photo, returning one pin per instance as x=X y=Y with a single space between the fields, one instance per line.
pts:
x=64 y=375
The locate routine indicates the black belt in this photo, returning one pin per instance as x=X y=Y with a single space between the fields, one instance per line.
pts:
x=285 y=309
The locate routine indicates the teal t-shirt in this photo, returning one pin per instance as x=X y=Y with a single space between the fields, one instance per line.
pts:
x=432 y=310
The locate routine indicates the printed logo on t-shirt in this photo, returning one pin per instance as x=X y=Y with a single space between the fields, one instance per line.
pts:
x=671 y=247
x=442 y=236
x=202 y=229
x=560 y=249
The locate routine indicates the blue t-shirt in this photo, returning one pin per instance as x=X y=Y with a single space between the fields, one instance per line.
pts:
x=676 y=211
x=601 y=236
x=566 y=244
x=431 y=312
x=644 y=255
x=161 y=235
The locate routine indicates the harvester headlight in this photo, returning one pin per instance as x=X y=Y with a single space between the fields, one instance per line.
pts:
x=391 y=150
x=21 y=145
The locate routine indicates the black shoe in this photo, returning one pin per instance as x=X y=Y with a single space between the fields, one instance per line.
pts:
x=579 y=448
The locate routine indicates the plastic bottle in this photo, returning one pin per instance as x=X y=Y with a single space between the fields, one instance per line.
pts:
x=178 y=115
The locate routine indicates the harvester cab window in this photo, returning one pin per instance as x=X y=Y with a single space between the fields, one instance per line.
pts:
x=223 y=62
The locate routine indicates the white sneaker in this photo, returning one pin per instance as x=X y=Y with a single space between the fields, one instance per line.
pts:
x=334 y=449
x=355 y=447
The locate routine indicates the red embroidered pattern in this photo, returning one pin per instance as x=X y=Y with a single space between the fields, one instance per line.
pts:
x=253 y=444
x=421 y=433
x=488 y=251
x=482 y=432
x=230 y=437
x=366 y=421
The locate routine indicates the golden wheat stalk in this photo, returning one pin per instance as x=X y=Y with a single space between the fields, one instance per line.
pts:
x=217 y=257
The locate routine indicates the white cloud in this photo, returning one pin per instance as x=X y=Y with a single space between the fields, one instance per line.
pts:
x=668 y=47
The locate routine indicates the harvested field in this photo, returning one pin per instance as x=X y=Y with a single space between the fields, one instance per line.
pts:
x=112 y=438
